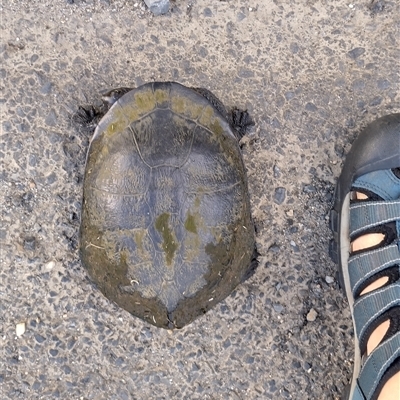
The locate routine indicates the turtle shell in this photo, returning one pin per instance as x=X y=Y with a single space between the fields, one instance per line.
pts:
x=166 y=230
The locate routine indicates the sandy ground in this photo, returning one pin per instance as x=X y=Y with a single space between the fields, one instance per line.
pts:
x=311 y=73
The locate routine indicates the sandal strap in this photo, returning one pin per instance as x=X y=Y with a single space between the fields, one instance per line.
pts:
x=373 y=304
x=358 y=394
x=365 y=215
x=376 y=364
x=363 y=266
x=383 y=183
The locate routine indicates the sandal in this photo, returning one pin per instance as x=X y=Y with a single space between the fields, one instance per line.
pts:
x=372 y=168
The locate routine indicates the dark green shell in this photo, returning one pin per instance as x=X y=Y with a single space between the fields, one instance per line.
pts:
x=166 y=230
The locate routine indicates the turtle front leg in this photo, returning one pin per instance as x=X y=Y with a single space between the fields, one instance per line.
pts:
x=241 y=121
x=88 y=116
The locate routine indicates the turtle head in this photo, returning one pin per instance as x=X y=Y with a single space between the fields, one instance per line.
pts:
x=109 y=97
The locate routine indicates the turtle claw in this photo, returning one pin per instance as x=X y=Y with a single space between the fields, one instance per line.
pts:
x=241 y=121
x=87 y=117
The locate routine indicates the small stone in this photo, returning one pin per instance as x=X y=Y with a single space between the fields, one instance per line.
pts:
x=296 y=364
x=290 y=213
x=294 y=246
x=49 y=266
x=51 y=119
x=30 y=243
x=289 y=95
x=32 y=184
x=383 y=84
x=277 y=171
x=207 y=12
x=312 y=315
x=294 y=48
x=158 y=7
x=356 y=52
x=311 y=107
x=375 y=101
x=377 y=6
x=278 y=307
x=249 y=360
x=279 y=195
x=39 y=338
x=20 y=329
x=274 y=248
x=51 y=178
x=309 y=189
x=240 y=16
x=307 y=366
x=46 y=88
x=329 y=279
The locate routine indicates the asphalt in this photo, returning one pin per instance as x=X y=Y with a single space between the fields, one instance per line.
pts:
x=311 y=73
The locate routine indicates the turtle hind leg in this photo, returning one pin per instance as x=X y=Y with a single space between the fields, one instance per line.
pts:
x=251 y=269
x=241 y=122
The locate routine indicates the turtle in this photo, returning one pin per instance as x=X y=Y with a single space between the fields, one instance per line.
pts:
x=166 y=229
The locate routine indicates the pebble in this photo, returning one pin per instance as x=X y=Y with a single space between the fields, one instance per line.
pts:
x=274 y=248
x=312 y=315
x=377 y=6
x=32 y=184
x=30 y=243
x=290 y=213
x=51 y=119
x=356 y=52
x=277 y=171
x=20 y=329
x=294 y=246
x=307 y=366
x=309 y=189
x=158 y=7
x=49 y=266
x=329 y=279
x=278 y=307
x=279 y=195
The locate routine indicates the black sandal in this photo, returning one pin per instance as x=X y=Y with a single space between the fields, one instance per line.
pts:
x=372 y=167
